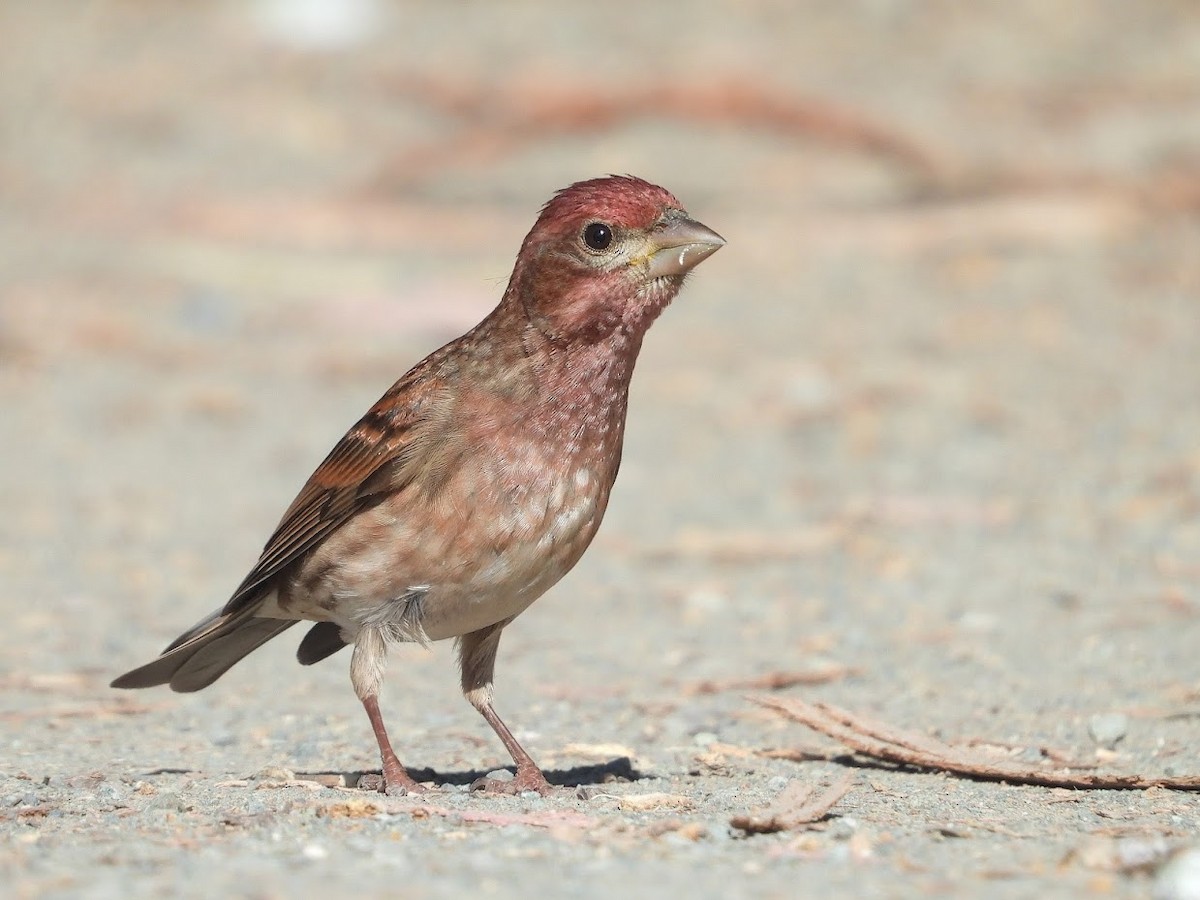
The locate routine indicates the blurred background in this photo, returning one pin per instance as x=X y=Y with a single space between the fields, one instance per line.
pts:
x=931 y=415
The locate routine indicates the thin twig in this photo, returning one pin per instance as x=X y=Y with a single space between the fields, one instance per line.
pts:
x=795 y=807
x=496 y=117
x=879 y=741
x=771 y=681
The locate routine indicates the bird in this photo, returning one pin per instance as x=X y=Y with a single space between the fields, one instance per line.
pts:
x=477 y=480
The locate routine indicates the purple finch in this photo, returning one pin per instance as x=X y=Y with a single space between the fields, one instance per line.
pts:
x=478 y=480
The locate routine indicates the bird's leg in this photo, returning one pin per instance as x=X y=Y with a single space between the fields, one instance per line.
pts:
x=477 y=658
x=366 y=674
x=396 y=779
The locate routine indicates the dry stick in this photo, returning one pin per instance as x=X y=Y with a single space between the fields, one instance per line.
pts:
x=819 y=754
x=503 y=116
x=497 y=119
x=772 y=681
x=878 y=741
x=794 y=808
x=888 y=735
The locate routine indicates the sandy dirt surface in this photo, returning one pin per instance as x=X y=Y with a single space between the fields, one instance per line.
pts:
x=926 y=431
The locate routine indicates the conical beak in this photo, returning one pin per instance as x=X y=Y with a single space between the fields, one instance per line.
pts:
x=682 y=245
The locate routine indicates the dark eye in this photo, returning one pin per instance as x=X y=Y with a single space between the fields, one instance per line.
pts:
x=598 y=236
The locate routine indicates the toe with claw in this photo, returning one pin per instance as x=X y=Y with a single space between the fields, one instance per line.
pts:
x=529 y=779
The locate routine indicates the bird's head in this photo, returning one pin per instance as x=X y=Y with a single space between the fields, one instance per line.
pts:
x=606 y=255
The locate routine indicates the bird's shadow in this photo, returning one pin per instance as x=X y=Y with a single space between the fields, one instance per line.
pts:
x=620 y=769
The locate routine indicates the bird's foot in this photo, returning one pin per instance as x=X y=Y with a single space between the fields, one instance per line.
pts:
x=407 y=788
x=396 y=780
x=394 y=784
x=528 y=779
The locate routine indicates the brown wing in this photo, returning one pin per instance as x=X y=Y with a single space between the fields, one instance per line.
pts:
x=364 y=467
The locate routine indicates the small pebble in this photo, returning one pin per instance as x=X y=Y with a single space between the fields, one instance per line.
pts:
x=843 y=829
x=274 y=773
x=530 y=795
x=705 y=739
x=314 y=851
x=370 y=781
x=112 y=794
x=499 y=775
x=1107 y=729
x=168 y=800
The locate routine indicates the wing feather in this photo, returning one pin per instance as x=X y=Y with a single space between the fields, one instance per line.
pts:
x=368 y=464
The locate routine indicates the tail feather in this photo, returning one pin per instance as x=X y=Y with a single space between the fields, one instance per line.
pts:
x=204 y=653
x=323 y=639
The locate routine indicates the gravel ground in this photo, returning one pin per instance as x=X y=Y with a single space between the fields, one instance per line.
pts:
x=928 y=425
